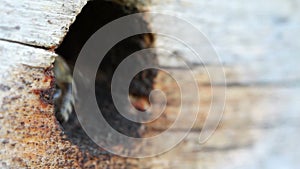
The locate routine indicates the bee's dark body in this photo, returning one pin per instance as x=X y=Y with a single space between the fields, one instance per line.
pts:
x=63 y=97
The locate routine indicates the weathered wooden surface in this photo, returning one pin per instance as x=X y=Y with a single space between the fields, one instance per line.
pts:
x=37 y=23
x=257 y=42
x=30 y=135
x=259 y=126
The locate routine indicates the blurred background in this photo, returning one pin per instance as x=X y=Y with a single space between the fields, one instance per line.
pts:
x=258 y=43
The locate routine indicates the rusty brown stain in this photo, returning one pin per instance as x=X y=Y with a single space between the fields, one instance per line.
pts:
x=53 y=47
x=46 y=95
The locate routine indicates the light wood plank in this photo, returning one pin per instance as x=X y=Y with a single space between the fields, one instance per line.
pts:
x=38 y=23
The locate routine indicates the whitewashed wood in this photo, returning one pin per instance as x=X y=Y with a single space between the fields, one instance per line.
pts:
x=13 y=54
x=39 y=23
x=257 y=41
x=258 y=123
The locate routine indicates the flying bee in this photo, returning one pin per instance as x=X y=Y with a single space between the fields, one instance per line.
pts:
x=63 y=96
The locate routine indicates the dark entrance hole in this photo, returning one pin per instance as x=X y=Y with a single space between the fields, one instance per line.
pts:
x=94 y=15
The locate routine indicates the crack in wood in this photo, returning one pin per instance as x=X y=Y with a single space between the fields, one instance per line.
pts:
x=25 y=44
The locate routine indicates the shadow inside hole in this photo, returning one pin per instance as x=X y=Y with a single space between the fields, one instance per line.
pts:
x=94 y=15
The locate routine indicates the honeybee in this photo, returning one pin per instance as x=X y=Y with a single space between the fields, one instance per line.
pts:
x=63 y=96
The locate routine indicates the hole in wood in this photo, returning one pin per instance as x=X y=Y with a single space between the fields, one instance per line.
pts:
x=93 y=16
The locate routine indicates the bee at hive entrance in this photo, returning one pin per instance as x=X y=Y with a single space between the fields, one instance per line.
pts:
x=63 y=96
x=93 y=16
